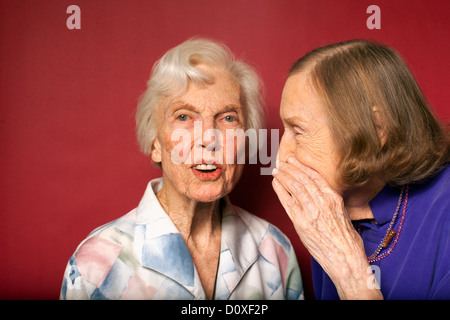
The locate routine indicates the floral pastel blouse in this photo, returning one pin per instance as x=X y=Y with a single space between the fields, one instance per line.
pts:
x=142 y=255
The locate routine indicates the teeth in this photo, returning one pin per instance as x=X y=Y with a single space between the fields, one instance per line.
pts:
x=205 y=167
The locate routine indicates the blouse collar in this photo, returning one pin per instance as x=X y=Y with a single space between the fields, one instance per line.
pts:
x=159 y=246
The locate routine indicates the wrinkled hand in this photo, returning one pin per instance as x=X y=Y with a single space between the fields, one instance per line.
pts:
x=324 y=227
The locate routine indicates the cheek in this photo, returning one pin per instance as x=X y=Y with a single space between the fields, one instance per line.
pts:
x=321 y=158
x=232 y=175
x=313 y=152
x=176 y=147
x=314 y=155
x=234 y=148
x=315 y=146
x=173 y=157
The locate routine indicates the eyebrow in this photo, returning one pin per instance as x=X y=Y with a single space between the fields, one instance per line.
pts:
x=184 y=105
x=230 y=108
x=294 y=120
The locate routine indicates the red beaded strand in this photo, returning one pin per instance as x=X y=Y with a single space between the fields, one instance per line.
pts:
x=391 y=233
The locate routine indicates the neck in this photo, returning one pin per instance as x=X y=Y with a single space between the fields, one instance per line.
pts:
x=357 y=200
x=198 y=222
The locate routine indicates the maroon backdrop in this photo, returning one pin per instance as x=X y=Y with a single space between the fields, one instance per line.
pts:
x=69 y=159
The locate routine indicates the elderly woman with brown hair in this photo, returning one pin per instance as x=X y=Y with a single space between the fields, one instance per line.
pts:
x=186 y=240
x=363 y=174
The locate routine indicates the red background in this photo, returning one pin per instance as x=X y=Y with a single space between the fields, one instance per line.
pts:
x=69 y=159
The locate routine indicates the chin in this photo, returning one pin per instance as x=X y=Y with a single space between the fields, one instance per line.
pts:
x=207 y=194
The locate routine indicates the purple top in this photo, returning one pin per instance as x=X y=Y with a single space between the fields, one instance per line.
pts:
x=419 y=265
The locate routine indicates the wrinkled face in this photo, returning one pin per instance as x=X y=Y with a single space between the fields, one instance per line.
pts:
x=195 y=145
x=307 y=134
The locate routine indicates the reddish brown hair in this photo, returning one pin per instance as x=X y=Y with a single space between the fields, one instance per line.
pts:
x=353 y=77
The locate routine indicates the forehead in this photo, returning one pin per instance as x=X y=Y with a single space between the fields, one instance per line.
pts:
x=299 y=99
x=222 y=90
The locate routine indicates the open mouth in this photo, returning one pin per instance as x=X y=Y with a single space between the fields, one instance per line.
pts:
x=207 y=171
x=207 y=168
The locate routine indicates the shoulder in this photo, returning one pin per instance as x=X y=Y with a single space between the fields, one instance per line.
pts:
x=120 y=232
x=427 y=218
x=433 y=194
x=99 y=251
x=96 y=256
x=116 y=232
x=439 y=182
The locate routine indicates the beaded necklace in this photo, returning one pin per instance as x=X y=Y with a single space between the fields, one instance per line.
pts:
x=390 y=233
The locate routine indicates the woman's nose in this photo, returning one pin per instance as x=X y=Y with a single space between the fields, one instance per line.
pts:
x=209 y=137
x=286 y=147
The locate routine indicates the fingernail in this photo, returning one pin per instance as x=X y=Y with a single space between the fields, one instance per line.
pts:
x=274 y=171
x=290 y=160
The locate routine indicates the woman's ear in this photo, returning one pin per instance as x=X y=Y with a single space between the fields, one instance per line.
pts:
x=156 y=151
x=378 y=125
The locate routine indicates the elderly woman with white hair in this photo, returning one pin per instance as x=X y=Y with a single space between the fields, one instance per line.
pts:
x=185 y=240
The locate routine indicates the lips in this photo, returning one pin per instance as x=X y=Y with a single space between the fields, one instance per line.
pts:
x=207 y=171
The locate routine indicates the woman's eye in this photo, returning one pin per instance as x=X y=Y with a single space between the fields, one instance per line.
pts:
x=182 y=117
x=298 y=131
x=229 y=118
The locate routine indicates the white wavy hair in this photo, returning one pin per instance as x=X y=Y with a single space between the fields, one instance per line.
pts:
x=172 y=73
